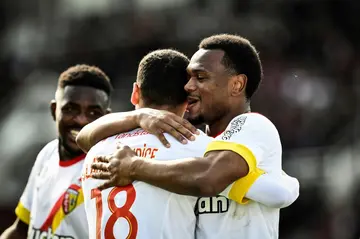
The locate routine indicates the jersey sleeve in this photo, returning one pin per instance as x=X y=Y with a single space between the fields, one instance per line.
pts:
x=23 y=208
x=272 y=190
x=254 y=138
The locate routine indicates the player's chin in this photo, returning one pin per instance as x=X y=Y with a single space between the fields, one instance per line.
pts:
x=72 y=147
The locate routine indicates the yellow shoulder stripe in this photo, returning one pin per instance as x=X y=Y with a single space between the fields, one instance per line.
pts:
x=241 y=186
x=22 y=213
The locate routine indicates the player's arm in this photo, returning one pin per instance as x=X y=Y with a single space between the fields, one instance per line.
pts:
x=202 y=176
x=154 y=121
x=232 y=158
x=238 y=157
x=105 y=126
x=269 y=185
x=18 y=230
x=221 y=172
x=271 y=190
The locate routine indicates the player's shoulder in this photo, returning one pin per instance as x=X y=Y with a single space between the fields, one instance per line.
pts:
x=253 y=119
x=202 y=138
x=199 y=139
x=254 y=125
x=50 y=147
x=47 y=151
x=196 y=147
x=131 y=136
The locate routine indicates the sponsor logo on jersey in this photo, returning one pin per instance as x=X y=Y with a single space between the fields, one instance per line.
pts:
x=137 y=132
x=38 y=234
x=235 y=127
x=218 y=204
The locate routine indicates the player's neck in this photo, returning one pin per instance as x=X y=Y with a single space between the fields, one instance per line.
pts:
x=217 y=127
x=178 y=110
x=65 y=155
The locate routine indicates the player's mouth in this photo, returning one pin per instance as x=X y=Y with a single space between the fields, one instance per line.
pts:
x=73 y=134
x=193 y=104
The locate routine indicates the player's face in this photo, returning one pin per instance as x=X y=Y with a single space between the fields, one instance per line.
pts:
x=208 y=92
x=75 y=107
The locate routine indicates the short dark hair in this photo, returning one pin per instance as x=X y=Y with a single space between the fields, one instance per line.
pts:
x=85 y=75
x=240 y=57
x=162 y=76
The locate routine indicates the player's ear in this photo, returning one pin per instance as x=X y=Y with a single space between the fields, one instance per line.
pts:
x=135 y=96
x=237 y=84
x=53 y=109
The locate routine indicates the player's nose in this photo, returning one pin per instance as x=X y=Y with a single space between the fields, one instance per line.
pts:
x=82 y=120
x=190 y=85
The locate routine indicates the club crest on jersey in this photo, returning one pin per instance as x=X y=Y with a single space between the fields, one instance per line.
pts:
x=71 y=197
x=235 y=127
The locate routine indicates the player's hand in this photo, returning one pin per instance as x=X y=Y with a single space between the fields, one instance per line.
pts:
x=115 y=168
x=158 y=122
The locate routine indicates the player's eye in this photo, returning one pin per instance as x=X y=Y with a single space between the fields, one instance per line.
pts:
x=67 y=109
x=95 y=113
x=200 y=77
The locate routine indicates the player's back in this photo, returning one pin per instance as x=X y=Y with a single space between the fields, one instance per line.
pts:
x=140 y=210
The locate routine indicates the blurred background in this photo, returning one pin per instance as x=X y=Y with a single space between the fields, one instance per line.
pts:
x=309 y=49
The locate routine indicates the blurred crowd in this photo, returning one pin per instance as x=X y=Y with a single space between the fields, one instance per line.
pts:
x=311 y=90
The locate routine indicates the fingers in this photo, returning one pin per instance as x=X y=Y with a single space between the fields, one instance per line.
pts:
x=104 y=159
x=162 y=121
x=173 y=132
x=100 y=166
x=187 y=125
x=162 y=139
x=121 y=146
x=106 y=185
x=182 y=129
x=101 y=175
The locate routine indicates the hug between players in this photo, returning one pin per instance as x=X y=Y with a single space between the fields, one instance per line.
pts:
x=152 y=173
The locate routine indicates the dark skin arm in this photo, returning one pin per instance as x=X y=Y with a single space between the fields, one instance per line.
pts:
x=18 y=230
x=154 y=121
x=206 y=176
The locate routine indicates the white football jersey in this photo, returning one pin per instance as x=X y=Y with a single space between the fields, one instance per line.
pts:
x=256 y=139
x=52 y=202
x=140 y=210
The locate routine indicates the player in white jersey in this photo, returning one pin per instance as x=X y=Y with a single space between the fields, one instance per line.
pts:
x=262 y=151
x=141 y=210
x=145 y=210
x=148 y=209
x=225 y=72
x=51 y=205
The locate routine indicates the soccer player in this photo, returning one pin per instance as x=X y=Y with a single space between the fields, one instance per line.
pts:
x=225 y=72
x=160 y=84
x=51 y=205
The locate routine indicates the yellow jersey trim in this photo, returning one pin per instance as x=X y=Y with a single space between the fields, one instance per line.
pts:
x=60 y=214
x=22 y=213
x=241 y=186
